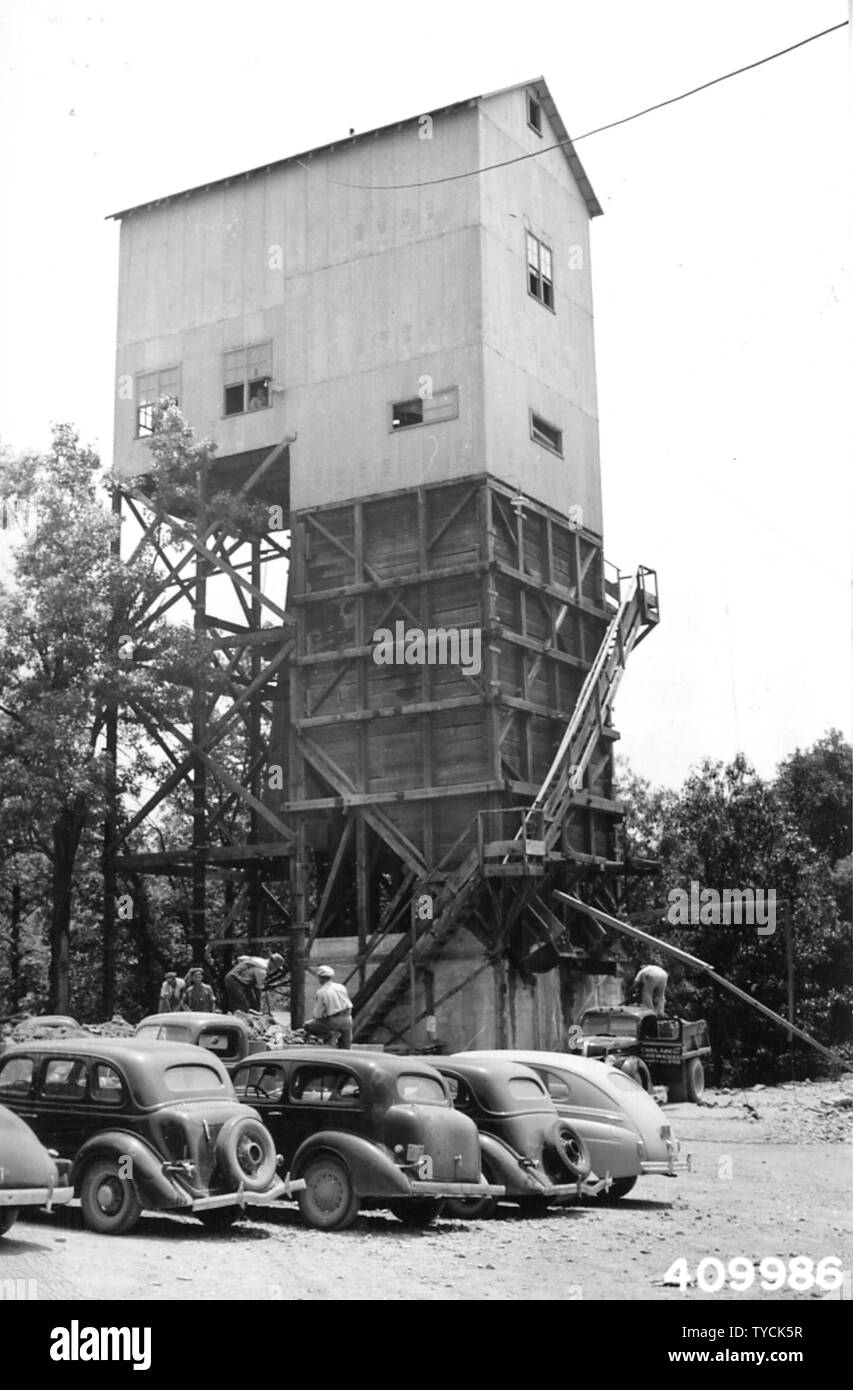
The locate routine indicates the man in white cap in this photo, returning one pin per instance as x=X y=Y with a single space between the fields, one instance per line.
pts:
x=332 y=1010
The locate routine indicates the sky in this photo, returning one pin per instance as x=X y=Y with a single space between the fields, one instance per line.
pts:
x=722 y=339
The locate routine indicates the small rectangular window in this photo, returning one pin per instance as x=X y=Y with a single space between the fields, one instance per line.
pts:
x=406 y=413
x=426 y=410
x=151 y=388
x=247 y=378
x=546 y=435
x=534 y=115
x=540 y=275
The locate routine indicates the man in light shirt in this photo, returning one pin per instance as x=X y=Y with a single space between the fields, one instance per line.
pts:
x=246 y=981
x=332 y=1010
x=650 y=984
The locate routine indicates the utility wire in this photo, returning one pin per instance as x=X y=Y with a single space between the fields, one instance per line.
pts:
x=611 y=125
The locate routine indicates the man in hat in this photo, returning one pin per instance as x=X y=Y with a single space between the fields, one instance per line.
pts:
x=199 y=996
x=332 y=1010
x=246 y=981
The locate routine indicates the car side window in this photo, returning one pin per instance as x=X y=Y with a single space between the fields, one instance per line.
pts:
x=324 y=1086
x=557 y=1085
x=259 y=1082
x=16 y=1076
x=107 y=1087
x=460 y=1093
x=64 y=1079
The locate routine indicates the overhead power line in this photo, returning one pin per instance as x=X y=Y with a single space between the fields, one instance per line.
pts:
x=611 y=125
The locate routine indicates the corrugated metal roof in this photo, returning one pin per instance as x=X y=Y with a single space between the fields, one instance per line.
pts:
x=538 y=85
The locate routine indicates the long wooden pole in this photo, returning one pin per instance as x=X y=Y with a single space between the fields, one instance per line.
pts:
x=607 y=920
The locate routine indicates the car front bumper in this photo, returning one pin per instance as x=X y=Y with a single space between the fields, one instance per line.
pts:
x=35 y=1196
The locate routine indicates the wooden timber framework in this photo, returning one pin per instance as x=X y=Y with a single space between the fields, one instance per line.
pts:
x=485 y=783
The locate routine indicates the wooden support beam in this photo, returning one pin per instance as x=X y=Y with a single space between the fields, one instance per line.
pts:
x=331 y=881
x=379 y=585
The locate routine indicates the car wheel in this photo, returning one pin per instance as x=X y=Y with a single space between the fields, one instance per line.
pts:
x=534 y=1206
x=694 y=1079
x=219 y=1218
x=246 y=1154
x=572 y=1151
x=620 y=1187
x=473 y=1208
x=8 y=1217
x=636 y=1068
x=328 y=1201
x=110 y=1203
x=415 y=1214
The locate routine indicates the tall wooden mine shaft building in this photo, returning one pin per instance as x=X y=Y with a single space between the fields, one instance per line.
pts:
x=393 y=335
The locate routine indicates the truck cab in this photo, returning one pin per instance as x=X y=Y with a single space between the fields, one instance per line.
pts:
x=657 y=1051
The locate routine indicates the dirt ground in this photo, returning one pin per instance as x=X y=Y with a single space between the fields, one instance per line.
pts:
x=772 y=1175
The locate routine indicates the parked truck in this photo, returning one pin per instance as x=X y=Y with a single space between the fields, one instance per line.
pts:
x=656 y=1051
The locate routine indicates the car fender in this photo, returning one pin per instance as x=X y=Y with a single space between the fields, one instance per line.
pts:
x=374 y=1172
x=505 y=1167
x=155 y=1187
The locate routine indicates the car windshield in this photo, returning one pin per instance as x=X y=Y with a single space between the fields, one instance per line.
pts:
x=423 y=1090
x=192 y=1079
x=612 y=1025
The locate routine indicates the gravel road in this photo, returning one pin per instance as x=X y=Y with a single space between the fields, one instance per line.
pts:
x=772 y=1177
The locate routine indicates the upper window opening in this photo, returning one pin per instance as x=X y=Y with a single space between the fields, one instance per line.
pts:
x=406 y=413
x=427 y=410
x=540 y=277
x=247 y=379
x=151 y=388
x=546 y=435
x=534 y=115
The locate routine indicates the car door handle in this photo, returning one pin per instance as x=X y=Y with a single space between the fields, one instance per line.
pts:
x=275 y=1114
x=26 y=1114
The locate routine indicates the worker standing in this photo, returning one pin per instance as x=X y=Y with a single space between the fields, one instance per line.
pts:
x=171 y=993
x=650 y=983
x=199 y=996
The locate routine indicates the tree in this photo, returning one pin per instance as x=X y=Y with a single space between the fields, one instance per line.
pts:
x=729 y=828
x=63 y=665
x=816 y=786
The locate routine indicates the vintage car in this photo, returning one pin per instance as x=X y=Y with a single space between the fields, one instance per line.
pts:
x=225 y=1035
x=670 y=1052
x=364 y=1129
x=29 y=1175
x=625 y=1130
x=145 y=1125
x=538 y=1157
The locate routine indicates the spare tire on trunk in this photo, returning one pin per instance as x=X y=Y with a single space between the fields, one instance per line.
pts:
x=245 y=1154
x=571 y=1150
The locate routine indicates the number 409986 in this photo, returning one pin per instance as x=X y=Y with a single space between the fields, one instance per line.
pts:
x=798 y=1274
